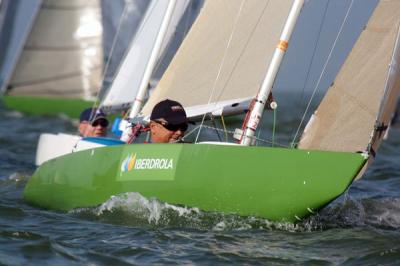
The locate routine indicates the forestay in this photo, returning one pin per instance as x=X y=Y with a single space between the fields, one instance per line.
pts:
x=135 y=71
x=363 y=95
x=63 y=54
x=224 y=57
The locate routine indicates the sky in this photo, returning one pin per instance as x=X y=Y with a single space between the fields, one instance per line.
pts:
x=311 y=43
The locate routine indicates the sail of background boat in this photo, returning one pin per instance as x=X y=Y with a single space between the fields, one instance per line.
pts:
x=158 y=28
x=77 y=45
x=132 y=79
x=64 y=60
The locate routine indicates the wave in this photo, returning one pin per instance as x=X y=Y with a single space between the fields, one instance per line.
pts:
x=132 y=209
x=380 y=213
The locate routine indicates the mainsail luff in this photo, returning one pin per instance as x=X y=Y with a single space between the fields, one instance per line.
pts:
x=192 y=74
x=345 y=119
x=257 y=109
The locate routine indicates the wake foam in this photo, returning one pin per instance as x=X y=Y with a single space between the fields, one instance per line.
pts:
x=133 y=209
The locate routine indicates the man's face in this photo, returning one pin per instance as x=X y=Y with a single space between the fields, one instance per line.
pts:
x=97 y=128
x=160 y=134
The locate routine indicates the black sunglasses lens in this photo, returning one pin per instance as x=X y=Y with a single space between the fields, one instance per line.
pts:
x=101 y=122
x=182 y=127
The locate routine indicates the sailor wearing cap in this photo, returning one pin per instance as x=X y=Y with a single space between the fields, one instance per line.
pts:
x=93 y=123
x=168 y=122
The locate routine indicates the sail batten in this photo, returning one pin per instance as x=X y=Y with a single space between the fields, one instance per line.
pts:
x=222 y=57
x=345 y=120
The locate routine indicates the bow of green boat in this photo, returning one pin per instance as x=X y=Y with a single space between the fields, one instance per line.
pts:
x=275 y=183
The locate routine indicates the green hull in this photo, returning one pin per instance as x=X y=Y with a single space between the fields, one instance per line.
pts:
x=46 y=105
x=278 y=184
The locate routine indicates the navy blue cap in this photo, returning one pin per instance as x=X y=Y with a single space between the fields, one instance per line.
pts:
x=170 y=111
x=92 y=114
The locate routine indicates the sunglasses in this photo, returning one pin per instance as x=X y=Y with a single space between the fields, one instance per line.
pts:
x=182 y=127
x=101 y=122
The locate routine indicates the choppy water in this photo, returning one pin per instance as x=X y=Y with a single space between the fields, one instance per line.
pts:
x=360 y=228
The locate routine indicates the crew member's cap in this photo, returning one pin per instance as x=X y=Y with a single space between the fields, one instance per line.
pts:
x=92 y=114
x=170 y=111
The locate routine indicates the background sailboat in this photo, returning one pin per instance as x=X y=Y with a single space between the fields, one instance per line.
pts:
x=17 y=18
x=154 y=36
x=60 y=67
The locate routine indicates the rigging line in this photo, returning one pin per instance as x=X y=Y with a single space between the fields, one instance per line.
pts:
x=301 y=99
x=259 y=131
x=53 y=79
x=323 y=70
x=143 y=21
x=244 y=49
x=221 y=64
x=215 y=127
x=232 y=132
x=223 y=124
x=124 y=14
x=274 y=128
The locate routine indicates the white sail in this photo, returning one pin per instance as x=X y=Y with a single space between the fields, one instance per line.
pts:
x=17 y=19
x=121 y=20
x=63 y=54
x=138 y=65
x=346 y=118
x=224 y=56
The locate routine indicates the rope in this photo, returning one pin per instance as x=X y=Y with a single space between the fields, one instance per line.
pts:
x=259 y=127
x=221 y=65
x=322 y=72
x=273 y=128
x=223 y=124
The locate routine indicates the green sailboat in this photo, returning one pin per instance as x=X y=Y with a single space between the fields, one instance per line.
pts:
x=224 y=52
x=59 y=67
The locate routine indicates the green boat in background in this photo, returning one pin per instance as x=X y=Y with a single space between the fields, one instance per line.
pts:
x=57 y=66
x=46 y=105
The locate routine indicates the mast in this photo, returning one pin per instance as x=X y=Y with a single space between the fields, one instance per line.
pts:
x=137 y=104
x=266 y=87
